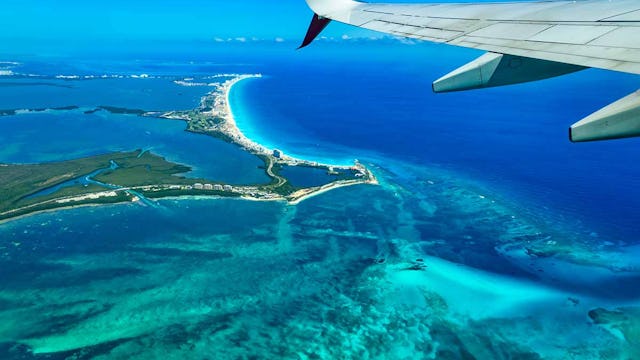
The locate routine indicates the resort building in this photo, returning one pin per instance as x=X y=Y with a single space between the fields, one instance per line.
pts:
x=198 y=186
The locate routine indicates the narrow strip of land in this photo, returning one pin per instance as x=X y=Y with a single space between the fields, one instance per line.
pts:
x=139 y=175
x=215 y=118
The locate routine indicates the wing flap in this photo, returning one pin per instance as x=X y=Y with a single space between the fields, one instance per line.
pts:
x=557 y=55
x=571 y=34
x=511 y=31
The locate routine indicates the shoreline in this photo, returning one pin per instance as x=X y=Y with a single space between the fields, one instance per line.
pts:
x=245 y=126
x=249 y=143
x=214 y=117
x=68 y=207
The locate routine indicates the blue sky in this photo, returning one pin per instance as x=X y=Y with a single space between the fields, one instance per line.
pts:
x=158 y=19
x=34 y=26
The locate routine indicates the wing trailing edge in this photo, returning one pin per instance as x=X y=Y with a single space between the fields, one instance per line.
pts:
x=524 y=42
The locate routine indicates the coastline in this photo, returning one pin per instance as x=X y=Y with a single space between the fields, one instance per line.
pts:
x=214 y=117
x=245 y=128
x=68 y=207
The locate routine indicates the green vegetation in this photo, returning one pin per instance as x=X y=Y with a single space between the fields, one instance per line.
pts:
x=200 y=121
x=122 y=176
x=285 y=189
x=11 y=112
x=44 y=206
x=20 y=181
x=119 y=110
x=144 y=169
x=111 y=109
x=66 y=108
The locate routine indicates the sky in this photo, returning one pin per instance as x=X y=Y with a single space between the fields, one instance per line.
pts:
x=31 y=26
x=152 y=20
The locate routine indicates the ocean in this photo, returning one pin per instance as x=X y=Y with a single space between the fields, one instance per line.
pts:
x=513 y=138
x=490 y=235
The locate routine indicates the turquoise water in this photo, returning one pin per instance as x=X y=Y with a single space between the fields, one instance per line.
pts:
x=57 y=136
x=459 y=253
x=268 y=280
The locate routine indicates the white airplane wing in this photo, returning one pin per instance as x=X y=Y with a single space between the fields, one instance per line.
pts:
x=525 y=41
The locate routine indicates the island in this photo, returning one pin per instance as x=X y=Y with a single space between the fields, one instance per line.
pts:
x=141 y=176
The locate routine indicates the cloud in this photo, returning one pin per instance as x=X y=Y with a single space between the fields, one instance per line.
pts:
x=244 y=39
x=406 y=41
x=382 y=39
x=346 y=38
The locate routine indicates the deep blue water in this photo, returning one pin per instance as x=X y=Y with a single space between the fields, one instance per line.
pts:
x=300 y=176
x=512 y=138
x=151 y=94
x=337 y=103
x=334 y=103
x=472 y=184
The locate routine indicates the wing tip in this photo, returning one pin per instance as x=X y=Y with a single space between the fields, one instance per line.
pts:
x=318 y=24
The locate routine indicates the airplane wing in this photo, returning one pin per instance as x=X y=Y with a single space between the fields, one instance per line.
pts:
x=525 y=41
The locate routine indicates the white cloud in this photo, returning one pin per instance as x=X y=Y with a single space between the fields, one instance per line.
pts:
x=240 y=39
x=406 y=41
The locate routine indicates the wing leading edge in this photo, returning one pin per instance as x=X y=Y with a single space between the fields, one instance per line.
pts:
x=525 y=42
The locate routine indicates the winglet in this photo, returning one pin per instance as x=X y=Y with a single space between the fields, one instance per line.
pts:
x=317 y=25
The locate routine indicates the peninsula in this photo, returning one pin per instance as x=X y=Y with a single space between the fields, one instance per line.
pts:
x=141 y=176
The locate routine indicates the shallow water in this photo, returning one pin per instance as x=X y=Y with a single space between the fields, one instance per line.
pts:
x=433 y=263
x=58 y=136
x=228 y=278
